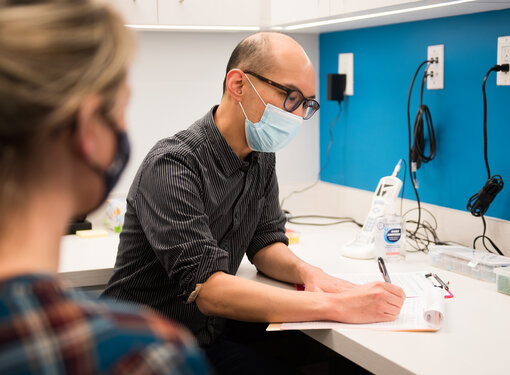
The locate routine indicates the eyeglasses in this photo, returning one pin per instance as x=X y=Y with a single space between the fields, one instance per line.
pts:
x=294 y=98
x=442 y=284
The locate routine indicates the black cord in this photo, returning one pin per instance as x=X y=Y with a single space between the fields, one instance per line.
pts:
x=424 y=233
x=495 y=68
x=412 y=174
x=423 y=117
x=483 y=237
x=337 y=220
x=325 y=163
x=479 y=203
x=427 y=234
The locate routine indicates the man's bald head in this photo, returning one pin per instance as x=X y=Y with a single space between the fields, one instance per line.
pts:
x=257 y=53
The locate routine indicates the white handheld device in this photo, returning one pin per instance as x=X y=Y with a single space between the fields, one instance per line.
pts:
x=387 y=191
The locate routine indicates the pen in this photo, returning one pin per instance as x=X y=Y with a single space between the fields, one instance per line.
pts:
x=384 y=271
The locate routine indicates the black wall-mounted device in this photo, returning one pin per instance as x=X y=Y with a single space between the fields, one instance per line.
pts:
x=336 y=86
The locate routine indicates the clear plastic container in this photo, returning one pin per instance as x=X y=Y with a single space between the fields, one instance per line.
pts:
x=503 y=279
x=115 y=211
x=390 y=237
x=467 y=261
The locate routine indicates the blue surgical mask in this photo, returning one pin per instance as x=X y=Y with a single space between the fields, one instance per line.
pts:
x=275 y=130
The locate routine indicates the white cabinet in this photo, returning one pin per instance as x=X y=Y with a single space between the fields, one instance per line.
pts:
x=137 y=12
x=281 y=14
x=338 y=7
x=352 y=14
x=210 y=12
x=292 y=11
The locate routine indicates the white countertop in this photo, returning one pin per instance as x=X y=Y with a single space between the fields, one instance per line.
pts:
x=88 y=261
x=473 y=338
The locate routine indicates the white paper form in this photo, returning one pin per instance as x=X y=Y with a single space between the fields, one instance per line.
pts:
x=414 y=284
x=423 y=309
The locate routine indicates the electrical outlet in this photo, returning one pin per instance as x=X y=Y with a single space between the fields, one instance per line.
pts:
x=503 y=78
x=435 y=79
x=346 y=66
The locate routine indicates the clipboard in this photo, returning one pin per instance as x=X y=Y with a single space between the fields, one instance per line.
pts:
x=423 y=309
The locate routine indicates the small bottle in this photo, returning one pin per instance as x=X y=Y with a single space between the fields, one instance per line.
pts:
x=390 y=235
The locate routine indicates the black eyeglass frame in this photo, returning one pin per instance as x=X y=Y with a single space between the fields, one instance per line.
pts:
x=307 y=103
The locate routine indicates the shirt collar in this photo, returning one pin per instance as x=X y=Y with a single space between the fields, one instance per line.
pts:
x=227 y=158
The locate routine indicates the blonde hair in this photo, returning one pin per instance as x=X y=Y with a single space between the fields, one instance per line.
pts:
x=54 y=54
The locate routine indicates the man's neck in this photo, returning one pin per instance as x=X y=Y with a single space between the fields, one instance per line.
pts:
x=231 y=126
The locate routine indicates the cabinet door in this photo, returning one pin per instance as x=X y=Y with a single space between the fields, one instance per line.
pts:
x=293 y=11
x=137 y=12
x=349 y=6
x=209 y=12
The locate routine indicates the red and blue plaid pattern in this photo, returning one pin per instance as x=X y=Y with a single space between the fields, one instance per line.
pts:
x=47 y=328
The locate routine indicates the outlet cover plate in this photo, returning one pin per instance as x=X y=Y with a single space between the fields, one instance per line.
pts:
x=346 y=66
x=503 y=78
x=435 y=79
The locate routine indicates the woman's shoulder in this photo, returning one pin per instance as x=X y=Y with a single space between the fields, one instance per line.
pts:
x=94 y=335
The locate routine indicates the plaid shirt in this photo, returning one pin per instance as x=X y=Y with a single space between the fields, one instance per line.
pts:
x=46 y=328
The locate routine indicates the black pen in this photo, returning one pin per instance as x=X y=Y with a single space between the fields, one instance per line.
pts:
x=384 y=271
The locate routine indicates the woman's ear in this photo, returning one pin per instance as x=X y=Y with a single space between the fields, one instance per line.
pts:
x=235 y=82
x=86 y=125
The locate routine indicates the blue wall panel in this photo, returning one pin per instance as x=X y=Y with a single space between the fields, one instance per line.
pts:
x=371 y=134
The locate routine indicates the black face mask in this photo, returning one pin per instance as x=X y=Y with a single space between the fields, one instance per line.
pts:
x=115 y=170
x=112 y=174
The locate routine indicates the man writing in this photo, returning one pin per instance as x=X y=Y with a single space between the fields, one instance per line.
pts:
x=207 y=196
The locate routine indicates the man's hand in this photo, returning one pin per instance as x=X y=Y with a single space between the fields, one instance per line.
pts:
x=335 y=300
x=236 y=298
x=368 y=303
x=316 y=280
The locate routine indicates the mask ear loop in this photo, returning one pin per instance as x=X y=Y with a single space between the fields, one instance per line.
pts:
x=248 y=78
x=242 y=109
x=262 y=100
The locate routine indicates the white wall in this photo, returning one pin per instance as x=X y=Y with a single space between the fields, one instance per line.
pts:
x=177 y=77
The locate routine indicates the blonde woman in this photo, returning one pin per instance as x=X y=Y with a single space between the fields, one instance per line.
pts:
x=63 y=145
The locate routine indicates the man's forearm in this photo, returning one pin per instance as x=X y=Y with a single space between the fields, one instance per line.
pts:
x=236 y=298
x=279 y=262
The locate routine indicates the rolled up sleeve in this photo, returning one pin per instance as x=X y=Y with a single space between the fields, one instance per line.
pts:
x=271 y=225
x=172 y=215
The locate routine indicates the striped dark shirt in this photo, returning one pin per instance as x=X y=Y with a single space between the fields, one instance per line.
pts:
x=194 y=208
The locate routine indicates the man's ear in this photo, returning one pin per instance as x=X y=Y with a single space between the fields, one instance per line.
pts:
x=86 y=125
x=235 y=83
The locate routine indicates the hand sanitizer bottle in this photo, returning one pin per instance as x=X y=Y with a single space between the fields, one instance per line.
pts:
x=390 y=235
